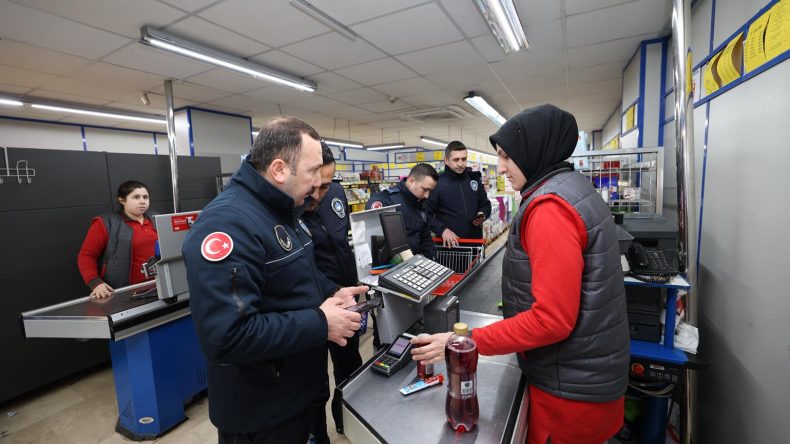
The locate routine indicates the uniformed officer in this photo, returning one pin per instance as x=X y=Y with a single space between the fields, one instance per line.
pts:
x=261 y=308
x=459 y=205
x=410 y=193
x=327 y=219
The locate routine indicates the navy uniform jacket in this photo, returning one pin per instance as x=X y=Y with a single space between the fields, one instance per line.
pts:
x=329 y=226
x=256 y=309
x=455 y=203
x=414 y=217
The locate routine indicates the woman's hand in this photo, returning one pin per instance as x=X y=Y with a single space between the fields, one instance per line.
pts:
x=101 y=291
x=429 y=349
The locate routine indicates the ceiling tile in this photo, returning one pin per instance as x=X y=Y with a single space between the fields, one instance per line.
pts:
x=597 y=72
x=417 y=85
x=377 y=72
x=531 y=64
x=358 y=96
x=24 y=77
x=466 y=78
x=333 y=51
x=286 y=63
x=603 y=25
x=192 y=91
x=537 y=11
x=157 y=105
x=226 y=109
x=545 y=37
x=536 y=83
x=316 y=103
x=346 y=112
x=105 y=73
x=353 y=11
x=438 y=98
x=156 y=61
x=213 y=36
x=467 y=16
x=274 y=23
x=489 y=48
x=88 y=88
x=39 y=59
x=577 y=6
x=277 y=94
x=116 y=16
x=189 y=5
x=228 y=81
x=442 y=58
x=610 y=86
x=385 y=106
x=44 y=94
x=601 y=53
x=239 y=102
x=427 y=26
x=329 y=82
x=13 y=89
x=38 y=28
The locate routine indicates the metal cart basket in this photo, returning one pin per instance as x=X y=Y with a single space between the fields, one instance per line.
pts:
x=461 y=259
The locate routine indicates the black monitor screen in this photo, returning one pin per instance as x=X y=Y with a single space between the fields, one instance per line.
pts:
x=394 y=232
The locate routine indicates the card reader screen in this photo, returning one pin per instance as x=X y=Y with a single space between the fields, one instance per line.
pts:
x=398 y=347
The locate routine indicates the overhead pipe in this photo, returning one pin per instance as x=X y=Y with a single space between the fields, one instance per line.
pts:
x=171 y=142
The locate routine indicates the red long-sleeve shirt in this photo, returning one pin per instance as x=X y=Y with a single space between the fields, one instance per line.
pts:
x=554 y=236
x=143 y=239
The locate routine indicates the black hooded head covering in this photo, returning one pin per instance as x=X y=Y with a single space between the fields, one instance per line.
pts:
x=539 y=140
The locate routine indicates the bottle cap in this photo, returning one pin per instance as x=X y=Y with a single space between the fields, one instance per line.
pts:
x=461 y=329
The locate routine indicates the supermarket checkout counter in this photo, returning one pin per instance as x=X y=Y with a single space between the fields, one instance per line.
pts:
x=158 y=367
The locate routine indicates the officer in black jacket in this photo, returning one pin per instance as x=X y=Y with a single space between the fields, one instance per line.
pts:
x=261 y=308
x=327 y=219
x=459 y=205
x=410 y=193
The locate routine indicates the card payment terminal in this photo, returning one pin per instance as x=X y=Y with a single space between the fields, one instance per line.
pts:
x=396 y=356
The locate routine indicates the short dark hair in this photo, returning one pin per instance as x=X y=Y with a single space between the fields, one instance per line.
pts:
x=280 y=138
x=455 y=145
x=326 y=154
x=422 y=170
x=127 y=187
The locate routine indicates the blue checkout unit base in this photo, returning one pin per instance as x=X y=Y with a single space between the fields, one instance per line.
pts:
x=157 y=372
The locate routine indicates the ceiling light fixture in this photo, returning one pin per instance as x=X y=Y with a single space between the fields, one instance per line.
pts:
x=427 y=139
x=386 y=146
x=484 y=108
x=110 y=115
x=503 y=20
x=345 y=143
x=158 y=39
x=9 y=102
x=322 y=17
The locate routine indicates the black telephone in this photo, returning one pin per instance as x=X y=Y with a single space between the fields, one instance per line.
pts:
x=649 y=261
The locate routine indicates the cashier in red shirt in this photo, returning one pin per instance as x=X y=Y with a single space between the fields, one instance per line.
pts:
x=562 y=288
x=118 y=244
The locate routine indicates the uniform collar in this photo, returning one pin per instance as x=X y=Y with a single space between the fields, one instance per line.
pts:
x=452 y=174
x=408 y=197
x=248 y=177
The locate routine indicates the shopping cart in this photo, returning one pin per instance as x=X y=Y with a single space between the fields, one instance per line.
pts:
x=461 y=259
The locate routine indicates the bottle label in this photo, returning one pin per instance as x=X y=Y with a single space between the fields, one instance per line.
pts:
x=467 y=388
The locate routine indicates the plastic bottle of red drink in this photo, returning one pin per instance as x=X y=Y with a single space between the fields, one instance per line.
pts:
x=461 y=356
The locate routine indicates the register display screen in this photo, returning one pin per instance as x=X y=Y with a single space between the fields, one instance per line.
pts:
x=398 y=347
x=394 y=232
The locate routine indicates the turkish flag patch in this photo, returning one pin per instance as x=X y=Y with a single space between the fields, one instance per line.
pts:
x=216 y=246
x=376 y=205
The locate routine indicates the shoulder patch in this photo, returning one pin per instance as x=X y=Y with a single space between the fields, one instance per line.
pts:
x=216 y=246
x=283 y=238
x=338 y=207
x=474 y=184
x=376 y=205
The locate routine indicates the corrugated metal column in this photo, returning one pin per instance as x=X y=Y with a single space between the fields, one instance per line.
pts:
x=171 y=142
x=687 y=202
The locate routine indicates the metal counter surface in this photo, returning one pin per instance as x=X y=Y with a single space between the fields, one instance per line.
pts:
x=483 y=289
x=420 y=417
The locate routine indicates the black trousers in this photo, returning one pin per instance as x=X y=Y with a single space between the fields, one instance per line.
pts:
x=295 y=430
x=345 y=360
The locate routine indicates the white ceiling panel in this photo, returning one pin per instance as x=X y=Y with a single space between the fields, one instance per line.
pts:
x=545 y=37
x=385 y=106
x=358 y=96
x=463 y=78
x=532 y=64
x=538 y=11
x=536 y=83
x=353 y=11
x=228 y=81
x=32 y=113
x=578 y=6
x=278 y=94
x=347 y=112
x=192 y=91
x=631 y=19
x=333 y=51
x=287 y=63
x=145 y=58
x=224 y=109
x=315 y=103
x=214 y=36
x=610 y=86
x=54 y=95
x=595 y=73
x=87 y=88
x=408 y=87
x=157 y=105
x=13 y=89
x=105 y=73
x=28 y=25
x=601 y=53
x=442 y=58
x=116 y=16
x=329 y=82
x=39 y=59
x=377 y=72
x=467 y=17
x=375 y=119
x=410 y=30
x=237 y=101
x=274 y=23
x=489 y=48
x=189 y=5
x=396 y=123
x=438 y=98
x=24 y=77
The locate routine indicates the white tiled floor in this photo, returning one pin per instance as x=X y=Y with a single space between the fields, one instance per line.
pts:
x=84 y=411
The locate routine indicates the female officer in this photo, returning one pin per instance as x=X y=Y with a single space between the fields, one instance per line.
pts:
x=562 y=287
x=118 y=244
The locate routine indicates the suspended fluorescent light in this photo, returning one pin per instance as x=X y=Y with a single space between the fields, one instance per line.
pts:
x=108 y=115
x=503 y=20
x=322 y=17
x=158 y=39
x=427 y=139
x=9 y=102
x=388 y=146
x=345 y=143
x=484 y=108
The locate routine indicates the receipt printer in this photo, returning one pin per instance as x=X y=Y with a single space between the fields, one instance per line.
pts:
x=441 y=314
